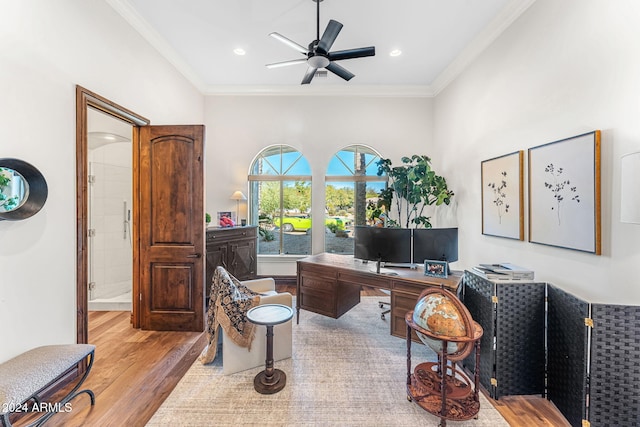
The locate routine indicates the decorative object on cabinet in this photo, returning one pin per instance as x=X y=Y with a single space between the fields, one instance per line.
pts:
x=238 y=196
x=207 y=218
x=629 y=195
x=591 y=349
x=444 y=324
x=235 y=249
x=564 y=193
x=23 y=189
x=503 y=196
x=225 y=219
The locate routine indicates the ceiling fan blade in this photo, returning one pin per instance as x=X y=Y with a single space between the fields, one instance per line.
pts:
x=311 y=71
x=290 y=43
x=340 y=71
x=329 y=36
x=352 y=53
x=286 y=63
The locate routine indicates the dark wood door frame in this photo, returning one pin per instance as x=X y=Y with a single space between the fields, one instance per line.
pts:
x=84 y=100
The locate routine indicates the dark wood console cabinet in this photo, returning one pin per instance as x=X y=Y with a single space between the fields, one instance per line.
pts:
x=235 y=249
x=329 y=284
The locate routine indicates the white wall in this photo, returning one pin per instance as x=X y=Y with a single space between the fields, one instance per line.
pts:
x=562 y=69
x=239 y=127
x=46 y=48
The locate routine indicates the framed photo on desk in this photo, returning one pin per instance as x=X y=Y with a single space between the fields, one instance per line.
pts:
x=435 y=268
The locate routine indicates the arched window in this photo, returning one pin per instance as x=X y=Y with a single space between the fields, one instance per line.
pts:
x=280 y=200
x=352 y=184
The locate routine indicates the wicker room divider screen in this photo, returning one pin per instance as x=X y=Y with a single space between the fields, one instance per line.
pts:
x=541 y=340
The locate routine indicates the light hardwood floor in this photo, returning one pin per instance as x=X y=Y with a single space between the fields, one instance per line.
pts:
x=135 y=371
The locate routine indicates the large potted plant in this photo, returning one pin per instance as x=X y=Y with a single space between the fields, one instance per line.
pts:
x=413 y=186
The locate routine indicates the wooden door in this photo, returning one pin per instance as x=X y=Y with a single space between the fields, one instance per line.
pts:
x=171 y=227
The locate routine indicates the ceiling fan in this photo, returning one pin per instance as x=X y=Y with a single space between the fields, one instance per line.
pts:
x=318 y=53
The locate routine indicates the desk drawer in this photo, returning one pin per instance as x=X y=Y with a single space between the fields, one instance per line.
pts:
x=409 y=287
x=319 y=271
x=401 y=303
x=374 y=281
x=319 y=283
x=318 y=302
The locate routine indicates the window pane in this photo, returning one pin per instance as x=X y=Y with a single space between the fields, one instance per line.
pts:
x=281 y=206
x=347 y=206
x=280 y=160
x=294 y=224
x=284 y=228
x=353 y=185
x=354 y=160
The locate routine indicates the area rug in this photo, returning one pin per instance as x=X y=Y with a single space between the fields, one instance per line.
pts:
x=344 y=372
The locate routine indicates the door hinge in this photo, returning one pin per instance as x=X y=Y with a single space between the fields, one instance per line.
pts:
x=91 y=232
x=494 y=382
x=92 y=179
x=92 y=285
x=588 y=322
x=494 y=299
x=586 y=423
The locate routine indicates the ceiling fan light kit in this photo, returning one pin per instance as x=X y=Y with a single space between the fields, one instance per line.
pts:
x=318 y=54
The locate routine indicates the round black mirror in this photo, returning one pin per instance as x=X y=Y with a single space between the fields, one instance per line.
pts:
x=23 y=189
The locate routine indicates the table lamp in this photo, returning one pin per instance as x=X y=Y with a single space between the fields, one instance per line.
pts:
x=629 y=192
x=237 y=196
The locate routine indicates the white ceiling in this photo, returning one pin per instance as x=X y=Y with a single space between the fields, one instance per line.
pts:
x=438 y=38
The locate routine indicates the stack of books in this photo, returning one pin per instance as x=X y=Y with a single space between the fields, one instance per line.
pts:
x=503 y=271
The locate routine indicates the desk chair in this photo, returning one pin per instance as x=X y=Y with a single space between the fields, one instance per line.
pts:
x=382 y=304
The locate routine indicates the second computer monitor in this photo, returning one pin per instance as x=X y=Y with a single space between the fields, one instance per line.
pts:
x=435 y=244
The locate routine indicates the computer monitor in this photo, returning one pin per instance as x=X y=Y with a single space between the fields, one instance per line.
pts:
x=437 y=244
x=382 y=244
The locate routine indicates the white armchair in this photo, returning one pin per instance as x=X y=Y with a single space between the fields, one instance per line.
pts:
x=235 y=358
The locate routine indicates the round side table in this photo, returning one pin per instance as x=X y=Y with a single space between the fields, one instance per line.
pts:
x=270 y=380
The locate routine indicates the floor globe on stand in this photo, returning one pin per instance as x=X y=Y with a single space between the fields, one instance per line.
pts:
x=440 y=387
x=441 y=313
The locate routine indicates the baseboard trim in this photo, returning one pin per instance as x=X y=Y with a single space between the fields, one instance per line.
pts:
x=284 y=280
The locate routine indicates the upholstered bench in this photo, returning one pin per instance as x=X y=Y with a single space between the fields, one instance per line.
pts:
x=24 y=377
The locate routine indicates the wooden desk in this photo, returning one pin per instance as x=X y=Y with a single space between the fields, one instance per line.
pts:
x=330 y=284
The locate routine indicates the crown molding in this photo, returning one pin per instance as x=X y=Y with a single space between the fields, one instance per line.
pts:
x=128 y=12
x=498 y=25
x=409 y=91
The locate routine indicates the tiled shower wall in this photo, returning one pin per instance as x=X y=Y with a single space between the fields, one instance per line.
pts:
x=110 y=248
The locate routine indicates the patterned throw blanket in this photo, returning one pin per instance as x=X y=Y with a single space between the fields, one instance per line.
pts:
x=229 y=302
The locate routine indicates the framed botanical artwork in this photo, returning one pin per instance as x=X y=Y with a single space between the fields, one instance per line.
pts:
x=435 y=268
x=502 y=196
x=564 y=193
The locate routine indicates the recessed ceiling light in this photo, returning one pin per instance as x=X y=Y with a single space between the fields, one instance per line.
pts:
x=239 y=51
x=395 y=52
